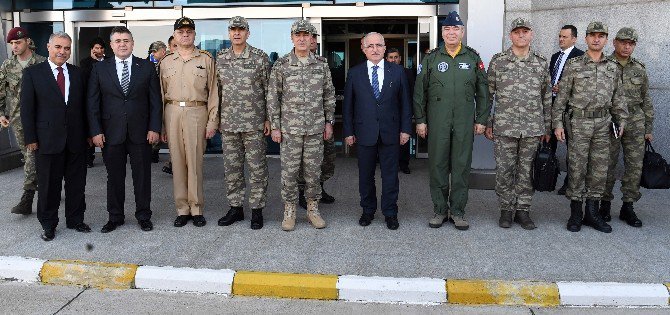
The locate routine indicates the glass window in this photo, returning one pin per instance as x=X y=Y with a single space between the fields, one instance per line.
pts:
x=397 y=1
x=200 y=3
x=270 y=35
x=77 y=4
x=40 y=32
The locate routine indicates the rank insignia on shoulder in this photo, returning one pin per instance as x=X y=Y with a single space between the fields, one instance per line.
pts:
x=201 y=67
x=463 y=66
x=442 y=66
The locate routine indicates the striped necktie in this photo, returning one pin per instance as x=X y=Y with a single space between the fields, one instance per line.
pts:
x=375 y=81
x=125 y=77
x=554 y=73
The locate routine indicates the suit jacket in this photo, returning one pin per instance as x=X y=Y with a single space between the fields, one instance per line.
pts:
x=368 y=118
x=46 y=119
x=86 y=66
x=119 y=116
x=411 y=78
x=576 y=52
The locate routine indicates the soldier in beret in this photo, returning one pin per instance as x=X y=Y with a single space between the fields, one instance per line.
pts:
x=191 y=115
x=10 y=111
x=639 y=127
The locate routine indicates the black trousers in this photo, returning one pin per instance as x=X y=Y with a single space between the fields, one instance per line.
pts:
x=52 y=169
x=388 y=163
x=115 y=158
x=404 y=155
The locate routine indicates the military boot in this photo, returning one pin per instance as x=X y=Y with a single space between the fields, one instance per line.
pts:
x=25 y=206
x=576 y=216
x=301 y=198
x=592 y=217
x=257 y=219
x=234 y=214
x=460 y=223
x=288 y=224
x=604 y=210
x=505 y=220
x=325 y=197
x=627 y=214
x=313 y=215
x=523 y=218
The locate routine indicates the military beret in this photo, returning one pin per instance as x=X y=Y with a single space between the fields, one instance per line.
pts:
x=596 y=27
x=239 y=22
x=184 y=22
x=627 y=33
x=520 y=22
x=452 y=19
x=17 y=33
x=301 y=26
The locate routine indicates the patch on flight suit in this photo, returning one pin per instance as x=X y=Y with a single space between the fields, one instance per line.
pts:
x=442 y=66
x=463 y=66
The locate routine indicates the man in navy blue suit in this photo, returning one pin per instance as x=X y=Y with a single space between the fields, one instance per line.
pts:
x=377 y=115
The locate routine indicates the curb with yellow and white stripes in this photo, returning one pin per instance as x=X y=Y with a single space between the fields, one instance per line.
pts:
x=333 y=287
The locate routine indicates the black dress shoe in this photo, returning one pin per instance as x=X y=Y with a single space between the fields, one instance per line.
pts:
x=154 y=156
x=110 y=226
x=80 y=227
x=392 y=222
x=325 y=197
x=405 y=169
x=233 y=215
x=48 y=234
x=181 y=220
x=167 y=169
x=146 y=225
x=256 y=219
x=199 y=220
x=366 y=219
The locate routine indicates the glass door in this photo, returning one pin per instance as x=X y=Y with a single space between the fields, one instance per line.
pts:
x=85 y=33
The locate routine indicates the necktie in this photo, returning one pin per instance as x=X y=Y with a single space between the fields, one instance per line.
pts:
x=60 y=80
x=125 y=77
x=375 y=81
x=554 y=72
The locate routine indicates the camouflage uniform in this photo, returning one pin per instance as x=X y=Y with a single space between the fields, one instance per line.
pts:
x=243 y=81
x=591 y=90
x=10 y=89
x=522 y=90
x=635 y=86
x=301 y=98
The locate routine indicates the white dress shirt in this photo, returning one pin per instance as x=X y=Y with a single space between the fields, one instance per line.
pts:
x=54 y=70
x=119 y=67
x=380 y=73
x=561 y=63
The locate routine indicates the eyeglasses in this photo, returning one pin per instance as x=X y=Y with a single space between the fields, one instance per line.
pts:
x=373 y=46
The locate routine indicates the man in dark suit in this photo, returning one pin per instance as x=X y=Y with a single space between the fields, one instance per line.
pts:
x=567 y=38
x=393 y=55
x=53 y=113
x=377 y=115
x=97 y=54
x=125 y=117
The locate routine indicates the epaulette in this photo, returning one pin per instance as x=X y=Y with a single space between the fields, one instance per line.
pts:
x=257 y=51
x=539 y=55
x=637 y=61
x=160 y=61
x=202 y=51
x=575 y=59
x=472 y=49
x=222 y=52
x=433 y=50
x=498 y=55
x=321 y=58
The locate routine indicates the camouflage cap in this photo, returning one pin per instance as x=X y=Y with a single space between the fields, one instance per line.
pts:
x=239 y=22
x=313 y=30
x=596 y=27
x=627 y=33
x=184 y=22
x=301 y=26
x=157 y=45
x=520 y=22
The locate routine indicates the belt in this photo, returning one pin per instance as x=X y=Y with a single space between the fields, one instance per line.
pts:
x=580 y=113
x=188 y=103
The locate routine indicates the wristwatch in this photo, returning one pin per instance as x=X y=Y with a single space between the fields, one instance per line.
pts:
x=331 y=122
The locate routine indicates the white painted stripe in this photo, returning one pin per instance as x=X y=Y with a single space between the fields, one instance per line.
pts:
x=21 y=269
x=612 y=293
x=185 y=279
x=398 y=290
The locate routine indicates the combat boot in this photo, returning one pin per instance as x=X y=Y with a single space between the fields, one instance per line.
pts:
x=301 y=198
x=604 y=210
x=288 y=224
x=592 y=217
x=438 y=220
x=313 y=215
x=234 y=214
x=627 y=214
x=505 y=220
x=25 y=206
x=325 y=197
x=576 y=216
x=523 y=218
x=460 y=223
x=257 y=219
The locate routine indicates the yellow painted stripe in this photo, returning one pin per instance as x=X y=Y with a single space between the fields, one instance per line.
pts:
x=91 y=274
x=502 y=292
x=285 y=285
x=667 y=285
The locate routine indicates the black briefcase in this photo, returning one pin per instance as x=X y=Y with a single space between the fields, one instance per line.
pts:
x=545 y=168
x=655 y=170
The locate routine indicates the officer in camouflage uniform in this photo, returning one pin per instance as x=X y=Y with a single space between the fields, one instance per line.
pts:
x=639 y=126
x=450 y=105
x=10 y=111
x=329 y=153
x=590 y=87
x=301 y=105
x=521 y=84
x=242 y=72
